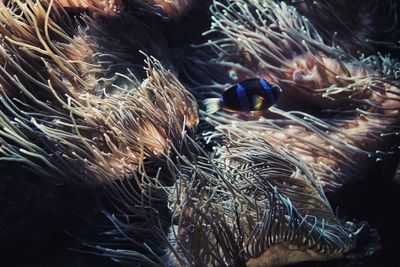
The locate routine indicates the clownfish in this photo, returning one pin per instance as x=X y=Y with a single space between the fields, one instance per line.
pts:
x=248 y=95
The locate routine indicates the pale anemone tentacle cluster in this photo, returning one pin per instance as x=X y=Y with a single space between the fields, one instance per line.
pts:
x=250 y=204
x=349 y=105
x=253 y=205
x=109 y=7
x=62 y=113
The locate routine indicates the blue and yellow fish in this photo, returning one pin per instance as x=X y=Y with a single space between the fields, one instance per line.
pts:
x=248 y=95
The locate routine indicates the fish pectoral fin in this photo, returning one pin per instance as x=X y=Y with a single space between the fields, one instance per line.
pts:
x=258 y=102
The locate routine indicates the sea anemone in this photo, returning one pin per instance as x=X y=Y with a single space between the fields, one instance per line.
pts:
x=68 y=113
x=254 y=205
x=346 y=107
x=250 y=204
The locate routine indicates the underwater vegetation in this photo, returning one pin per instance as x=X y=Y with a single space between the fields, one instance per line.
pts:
x=104 y=99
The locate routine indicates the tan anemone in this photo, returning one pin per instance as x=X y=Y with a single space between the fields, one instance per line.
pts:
x=336 y=109
x=64 y=115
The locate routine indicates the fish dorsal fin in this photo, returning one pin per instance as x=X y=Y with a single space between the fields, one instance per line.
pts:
x=257 y=102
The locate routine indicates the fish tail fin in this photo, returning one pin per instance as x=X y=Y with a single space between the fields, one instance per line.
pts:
x=212 y=105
